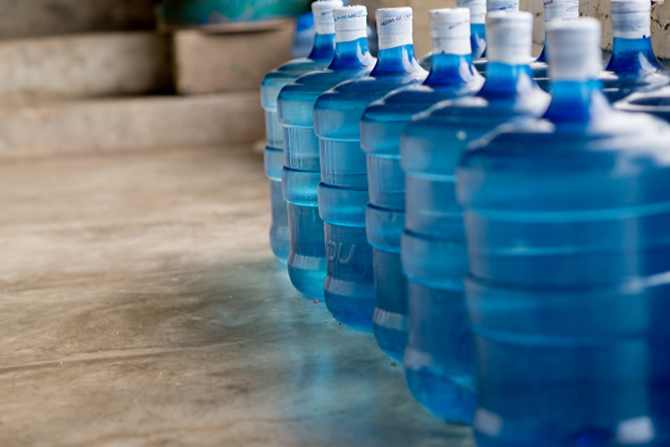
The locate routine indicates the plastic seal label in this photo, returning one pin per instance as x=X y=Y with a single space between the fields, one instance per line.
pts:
x=502 y=5
x=477 y=10
x=351 y=23
x=631 y=24
x=560 y=10
x=394 y=31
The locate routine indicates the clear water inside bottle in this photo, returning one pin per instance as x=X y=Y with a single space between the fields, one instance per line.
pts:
x=566 y=222
x=439 y=362
x=343 y=192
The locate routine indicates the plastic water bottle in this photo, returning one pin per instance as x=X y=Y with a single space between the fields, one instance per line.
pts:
x=567 y=227
x=303 y=39
x=452 y=75
x=439 y=361
x=321 y=55
x=307 y=258
x=656 y=102
x=493 y=6
x=633 y=65
x=343 y=192
x=477 y=30
x=553 y=10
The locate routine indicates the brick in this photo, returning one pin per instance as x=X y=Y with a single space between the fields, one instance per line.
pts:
x=137 y=124
x=31 y=18
x=208 y=63
x=86 y=65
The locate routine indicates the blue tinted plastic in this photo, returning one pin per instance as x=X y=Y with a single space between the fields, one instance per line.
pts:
x=302 y=172
x=303 y=39
x=656 y=102
x=382 y=125
x=567 y=226
x=343 y=192
x=477 y=42
x=439 y=361
x=321 y=55
x=632 y=67
x=540 y=69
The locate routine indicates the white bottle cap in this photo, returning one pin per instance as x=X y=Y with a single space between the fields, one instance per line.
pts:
x=351 y=23
x=450 y=31
x=502 y=5
x=394 y=27
x=560 y=10
x=509 y=35
x=323 y=15
x=574 y=49
x=477 y=9
x=631 y=19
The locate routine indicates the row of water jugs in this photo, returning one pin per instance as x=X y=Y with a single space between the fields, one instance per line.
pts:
x=510 y=246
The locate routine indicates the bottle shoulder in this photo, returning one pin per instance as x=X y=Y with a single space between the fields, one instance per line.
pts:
x=291 y=70
x=296 y=100
x=619 y=85
x=602 y=139
x=316 y=83
x=612 y=165
x=484 y=111
x=280 y=77
x=656 y=102
x=358 y=93
x=403 y=103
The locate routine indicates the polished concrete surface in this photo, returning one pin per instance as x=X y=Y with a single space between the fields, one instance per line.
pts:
x=140 y=306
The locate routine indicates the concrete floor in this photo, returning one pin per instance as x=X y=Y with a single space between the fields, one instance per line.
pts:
x=140 y=306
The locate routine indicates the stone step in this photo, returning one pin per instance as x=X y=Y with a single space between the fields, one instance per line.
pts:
x=207 y=62
x=105 y=64
x=30 y=18
x=114 y=125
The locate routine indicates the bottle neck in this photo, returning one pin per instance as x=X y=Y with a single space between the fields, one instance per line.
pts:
x=396 y=60
x=507 y=81
x=478 y=39
x=324 y=47
x=352 y=54
x=447 y=69
x=576 y=101
x=633 y=55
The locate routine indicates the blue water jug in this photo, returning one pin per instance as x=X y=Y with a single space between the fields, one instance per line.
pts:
x=452 y=75
x=477 y=30
x=567 y=223
x=307 y=257
x=343 y=192
x=553 y=10
x=321 y=55
x=633 y=65
x=439 y=361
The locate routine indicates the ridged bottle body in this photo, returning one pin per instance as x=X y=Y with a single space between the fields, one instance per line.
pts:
x=439 y=361
x=343 y=192
x=381 y=129
x=321 y=56
x=632 y=67
x=302 y=170
x=569 y=278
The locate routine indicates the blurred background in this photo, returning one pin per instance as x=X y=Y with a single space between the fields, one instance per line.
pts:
x=115 y=75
